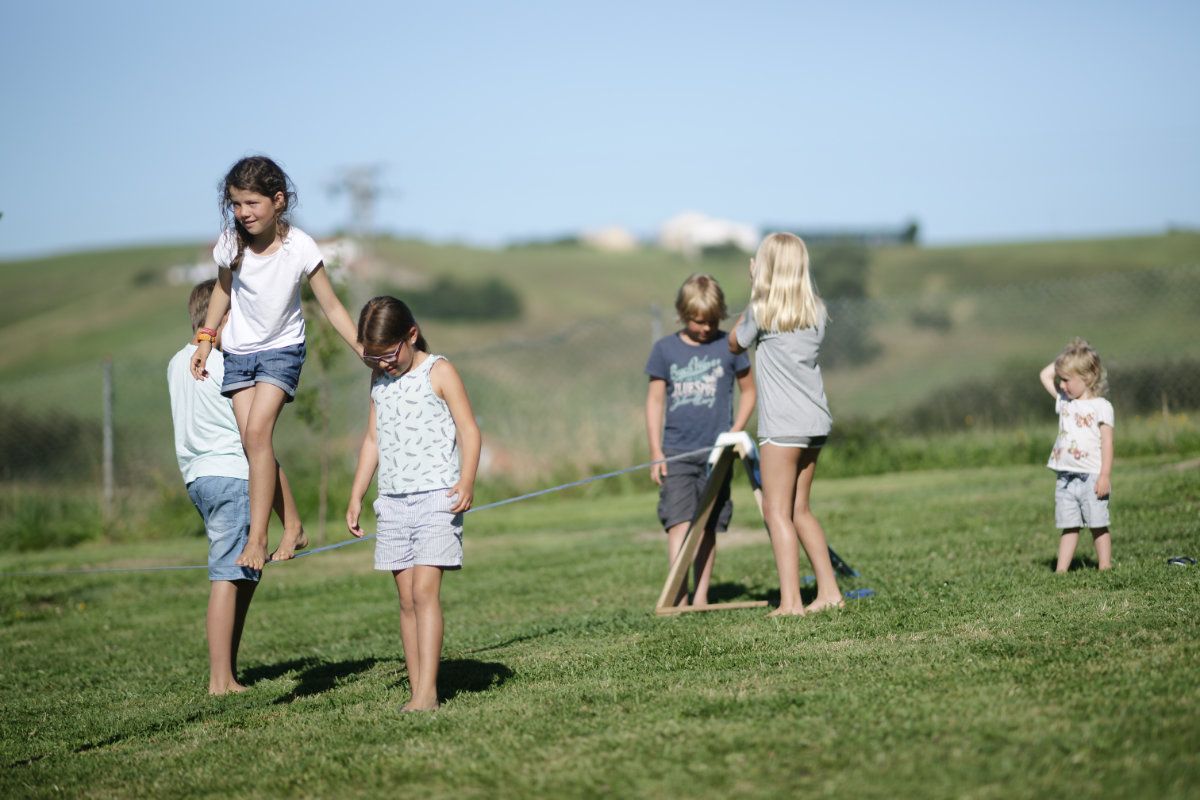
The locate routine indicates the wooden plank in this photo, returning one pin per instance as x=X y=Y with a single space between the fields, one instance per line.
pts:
x=670 y=611
x=691 y=540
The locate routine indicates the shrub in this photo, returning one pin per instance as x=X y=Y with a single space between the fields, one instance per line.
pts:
x=454 y=299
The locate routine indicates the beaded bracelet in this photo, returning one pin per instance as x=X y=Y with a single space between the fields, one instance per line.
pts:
x=205 y=337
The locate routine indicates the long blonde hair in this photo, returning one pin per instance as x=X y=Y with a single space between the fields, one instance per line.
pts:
x=781 y=289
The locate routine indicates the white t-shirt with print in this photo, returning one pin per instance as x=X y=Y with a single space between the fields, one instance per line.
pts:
x=265 y=309
x=1077 y=448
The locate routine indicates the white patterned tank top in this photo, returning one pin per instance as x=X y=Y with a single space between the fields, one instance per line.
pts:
x=418 y=448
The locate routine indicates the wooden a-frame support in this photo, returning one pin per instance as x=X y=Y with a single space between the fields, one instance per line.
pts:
x=691 y=541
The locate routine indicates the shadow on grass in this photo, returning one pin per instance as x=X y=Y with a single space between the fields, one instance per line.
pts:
x=318 y=676
x=461 y=675
x=726 y=592
x=1076 y=563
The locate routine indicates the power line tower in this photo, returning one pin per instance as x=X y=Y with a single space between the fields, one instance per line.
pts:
x=362 y=184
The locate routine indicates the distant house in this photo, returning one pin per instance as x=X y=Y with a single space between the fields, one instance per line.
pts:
x=613 y=239
x=691 y=232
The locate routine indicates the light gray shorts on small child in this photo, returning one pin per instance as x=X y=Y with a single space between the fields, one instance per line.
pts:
x=1076 y=504
x=418 y=529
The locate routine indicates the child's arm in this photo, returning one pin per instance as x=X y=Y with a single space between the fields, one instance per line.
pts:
x=735 y=346
x=656 y=403
x=446 y=382
x=747 y=395
x=1047 y=378
x=368 y=460
x=218 y=304
x=335 y=312
x=1104 y=480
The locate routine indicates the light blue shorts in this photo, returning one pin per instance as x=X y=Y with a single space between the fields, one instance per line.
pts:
x=418 y=529
x=224 y=505
x=1076 y=504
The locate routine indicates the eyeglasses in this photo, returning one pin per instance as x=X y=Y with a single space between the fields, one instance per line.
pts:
x=379 y=361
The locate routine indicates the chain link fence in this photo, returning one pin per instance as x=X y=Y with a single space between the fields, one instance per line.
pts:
x=564 y=405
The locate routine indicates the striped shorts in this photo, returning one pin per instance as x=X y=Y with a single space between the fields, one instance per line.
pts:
x=417 y=529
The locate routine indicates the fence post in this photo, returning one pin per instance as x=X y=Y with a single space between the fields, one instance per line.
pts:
x=108 y=439
x=655 y=323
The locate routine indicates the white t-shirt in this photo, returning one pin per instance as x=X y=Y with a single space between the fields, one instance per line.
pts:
x=265 y=305
x=207 y=442
x=1077 y=448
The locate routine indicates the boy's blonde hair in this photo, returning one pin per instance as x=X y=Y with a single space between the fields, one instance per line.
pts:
x=700 y=297
x=781 y=289
x=1080 y=358
x=198 y=302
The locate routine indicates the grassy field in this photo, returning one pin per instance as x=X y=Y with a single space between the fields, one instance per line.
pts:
x=973 y=672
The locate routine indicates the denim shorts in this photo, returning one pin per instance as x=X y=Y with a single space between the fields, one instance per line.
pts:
x=1076 y=504
x=224 y=505
x=418 y=529
x=280 y=367
x=682 y=489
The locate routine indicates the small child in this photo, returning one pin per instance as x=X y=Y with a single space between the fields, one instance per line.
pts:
x=422 y=436
x=689 y=403
x=1083 y=452
x=209 y=450
x=262 y=259
x=786 y=321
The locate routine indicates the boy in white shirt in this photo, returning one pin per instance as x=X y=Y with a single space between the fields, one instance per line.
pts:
x=1083 y=452
x=209 y=450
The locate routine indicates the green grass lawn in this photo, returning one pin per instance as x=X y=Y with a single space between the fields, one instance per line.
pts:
x=974 y=672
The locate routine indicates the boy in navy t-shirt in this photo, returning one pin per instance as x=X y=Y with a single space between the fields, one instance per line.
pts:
x=688 y=404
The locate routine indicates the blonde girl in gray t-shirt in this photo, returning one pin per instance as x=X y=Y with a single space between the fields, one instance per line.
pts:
x=785 y=321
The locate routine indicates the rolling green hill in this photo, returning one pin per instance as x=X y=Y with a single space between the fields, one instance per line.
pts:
x=559 y=390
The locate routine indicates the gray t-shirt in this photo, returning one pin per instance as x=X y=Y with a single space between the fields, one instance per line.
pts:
x=791 y=395
x=699 y=389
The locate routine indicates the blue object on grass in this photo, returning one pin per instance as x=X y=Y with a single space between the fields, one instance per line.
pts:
x=1182 y=561
x=858 y=594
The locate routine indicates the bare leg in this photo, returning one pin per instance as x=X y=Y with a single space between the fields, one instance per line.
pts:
x=245 y=593
x=780 y=467
x=1103 y=544
x=1066 y=549
x=706 y=554
x=427 y=588
x=293 y=529
x=408 y=627
x=675 y=537
x=227 y=605
x=257 y=409
x=812 y=536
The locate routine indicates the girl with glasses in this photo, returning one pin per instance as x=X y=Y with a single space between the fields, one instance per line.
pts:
x=422 y=438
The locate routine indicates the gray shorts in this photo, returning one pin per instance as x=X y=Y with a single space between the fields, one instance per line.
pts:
x=681 y=491
x=1076 y=504
x=418 y=529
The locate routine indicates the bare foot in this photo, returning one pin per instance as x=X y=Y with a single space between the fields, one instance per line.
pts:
x=824 y=605
x=412 y=708
x=289 y=544
x=788 y=612
x=254 y=555
x=231 y=688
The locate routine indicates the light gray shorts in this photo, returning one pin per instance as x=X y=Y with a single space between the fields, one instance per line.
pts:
x=1076 y=504
x=418 y=529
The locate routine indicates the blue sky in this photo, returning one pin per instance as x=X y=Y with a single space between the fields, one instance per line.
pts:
x=495 y=121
